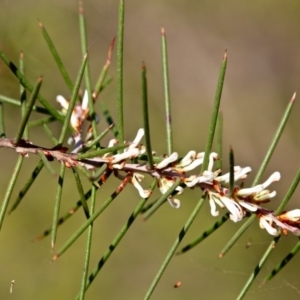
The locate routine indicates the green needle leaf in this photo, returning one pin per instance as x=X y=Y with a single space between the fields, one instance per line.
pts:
x=275 y=140
x=108 y=118
x=72 y=210
x=100 y=152
x=15 y=102
x=146 y=116
x=84 y=47
x=47 y=163
x=100 y=82
x=50 y=134
x=118 y=238
x=88 y=222
x=41 y=121
x=28 y=184
x=259 y=267
x=81 y=193
x=283 y=263
x=10 y=188
x=23 y=96
x=56 y=57
x=120 y=72
x=72 y=101
x=204 y=235
x=231 y=172
x=2 y=130
x=219 y=140
x=96 y=140
x=57 y=204
x=215 y=113
x=216 y=121
x=88 y=248
x=174 y=247
x=289 y=194
x=166 y=80
x=27 y=113
x=29 y=87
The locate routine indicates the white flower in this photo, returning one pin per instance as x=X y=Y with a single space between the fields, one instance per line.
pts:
x=137 y=139
x=79 y=113
x=212 y=157
x=136 y=178
x=248 y=205
x=239 y=173
x=236 y=211
x=266 y=222
x=259 y=188
x=165 y=185
x=292 y=215
x=168 y=160
x=189 y=158
x=174 y=202
x=130 y=153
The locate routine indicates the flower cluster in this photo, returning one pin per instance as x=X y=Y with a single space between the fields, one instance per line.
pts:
x=240 y=203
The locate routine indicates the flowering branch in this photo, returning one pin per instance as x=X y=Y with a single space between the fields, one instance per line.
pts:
x=241 y=203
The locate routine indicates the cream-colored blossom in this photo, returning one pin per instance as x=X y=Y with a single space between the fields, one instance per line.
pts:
x=266 y=222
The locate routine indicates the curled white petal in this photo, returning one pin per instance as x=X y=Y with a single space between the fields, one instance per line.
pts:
x=134 y=152
x=197 y=162
x=293 y=215
x=242 y=174
x=248 y=206
x=264 y=195
x=189 y=158
x=179 y=190
x=135 y=181
x=173 y=157
x=174 y=202
x=62 y=101
x=137 y=139
x=113 y=142
x=212 y=157
x=258 y=188
x=200 y=155
x=223 y=178
x=266 y=223
x=85 y=100
x=191 y=181
x=206 y=176
x=239 y=173
x=236 y=212
x=213 y=208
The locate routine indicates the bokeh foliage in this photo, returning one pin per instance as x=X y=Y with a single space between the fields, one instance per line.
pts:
x=262 y=75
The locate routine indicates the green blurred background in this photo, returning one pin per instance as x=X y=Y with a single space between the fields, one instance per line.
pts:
x=262 y=38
